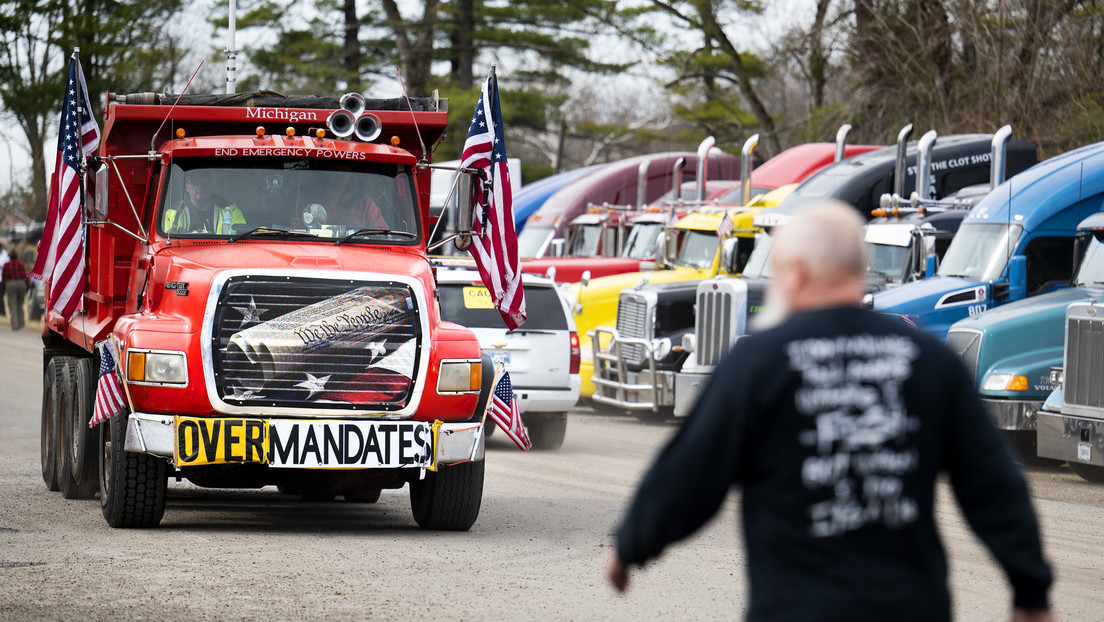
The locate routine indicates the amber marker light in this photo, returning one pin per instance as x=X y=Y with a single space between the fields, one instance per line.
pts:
x=290 y=131
x=260 y=130
x=136 y=366
x=476 y=376
x=395 y=141
x=320 y=133
x=180 y=132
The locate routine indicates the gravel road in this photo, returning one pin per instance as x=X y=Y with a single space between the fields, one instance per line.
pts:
x=537 y=550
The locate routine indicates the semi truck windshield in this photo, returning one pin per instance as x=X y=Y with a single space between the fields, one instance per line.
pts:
x=213 y=198
x=980 y=251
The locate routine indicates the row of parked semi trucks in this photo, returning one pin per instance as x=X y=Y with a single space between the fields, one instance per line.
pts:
x=986 y=226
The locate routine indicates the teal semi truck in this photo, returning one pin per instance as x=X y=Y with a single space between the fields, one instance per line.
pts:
x=1015 y=243
x=1012 y=349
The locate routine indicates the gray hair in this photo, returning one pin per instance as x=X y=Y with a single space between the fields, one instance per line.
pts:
x=827 y=235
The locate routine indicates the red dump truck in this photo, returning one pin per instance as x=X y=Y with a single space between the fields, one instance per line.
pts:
x=290 y=336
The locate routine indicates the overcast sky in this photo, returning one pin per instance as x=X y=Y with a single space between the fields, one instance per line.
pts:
x=756 y=32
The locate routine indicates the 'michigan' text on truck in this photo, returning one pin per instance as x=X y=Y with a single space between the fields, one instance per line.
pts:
x=259 y=267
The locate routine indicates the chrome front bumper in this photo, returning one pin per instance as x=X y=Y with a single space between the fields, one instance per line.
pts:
x=1013 y=415
x=616 y=385
x=1070 y=438
x=156 y=435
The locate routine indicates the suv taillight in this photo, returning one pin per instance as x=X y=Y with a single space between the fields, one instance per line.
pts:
x=575 y=354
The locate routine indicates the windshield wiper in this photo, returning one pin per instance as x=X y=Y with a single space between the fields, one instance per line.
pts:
x=405 y=234
x=267 y=230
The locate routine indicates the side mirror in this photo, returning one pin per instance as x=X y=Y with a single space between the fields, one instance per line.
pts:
x=584 y=280
x=661 y=250
x=551 y=273
x=557 y=249
x=464 y=205
x=96 y=183
x=1017 y=278
x=728 y=255
x=929 y=268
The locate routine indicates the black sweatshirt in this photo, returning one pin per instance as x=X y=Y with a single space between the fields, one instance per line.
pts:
x=835 y=425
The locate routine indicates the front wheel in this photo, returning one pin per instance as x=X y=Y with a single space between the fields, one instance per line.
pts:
x=448 y=499
x=132 y=485
x=1088 y=472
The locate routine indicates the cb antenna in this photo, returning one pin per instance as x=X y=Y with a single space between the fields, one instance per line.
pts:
x=414 y=117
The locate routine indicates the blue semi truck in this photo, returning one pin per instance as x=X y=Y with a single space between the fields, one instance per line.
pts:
x=1016 y=243
x=1012 y=349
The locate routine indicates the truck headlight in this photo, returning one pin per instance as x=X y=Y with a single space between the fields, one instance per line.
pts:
x=460 y=376
x=157 y=367
x=1057 y=376
x=1005 y=382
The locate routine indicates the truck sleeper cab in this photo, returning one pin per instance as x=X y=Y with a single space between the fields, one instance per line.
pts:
x=273 y=314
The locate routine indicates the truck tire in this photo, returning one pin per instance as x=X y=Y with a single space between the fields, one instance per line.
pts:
x=48 y=437
x=448 y=499
x=132 y=485
x=77 y=474
x=546 y=430
x=1088 y=472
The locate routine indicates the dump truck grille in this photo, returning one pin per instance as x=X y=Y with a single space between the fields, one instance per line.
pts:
x=632 y=321
x=316 y=343
x=967 y=344
x=1084 y=364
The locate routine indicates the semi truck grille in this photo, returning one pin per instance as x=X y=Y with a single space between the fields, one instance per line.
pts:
x=714 y=325
x=315 y=343
x=632 y=321
x=1084 y=364
x=967 y=344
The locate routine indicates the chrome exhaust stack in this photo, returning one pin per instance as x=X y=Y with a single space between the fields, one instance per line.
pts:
x=841 y=142
x=923 y=167
x=703 y=155
x=902 y=156
x=998 y=156
x=746 y=154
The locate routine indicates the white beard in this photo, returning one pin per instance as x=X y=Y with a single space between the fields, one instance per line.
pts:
x=776 y=308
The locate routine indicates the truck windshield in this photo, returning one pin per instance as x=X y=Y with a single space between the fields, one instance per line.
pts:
x=1091 y=272
x=203 y=198
x=584 y=241
x=887 y=260
x=532 y=240
x=757 y=264
x=698 y=250
x=980 y=251
x=642 y=241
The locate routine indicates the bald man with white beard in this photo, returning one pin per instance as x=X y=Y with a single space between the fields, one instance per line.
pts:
x=835 y=421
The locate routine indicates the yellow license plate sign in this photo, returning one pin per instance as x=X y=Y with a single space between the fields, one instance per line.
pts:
x=476 y=297
x=206 y=440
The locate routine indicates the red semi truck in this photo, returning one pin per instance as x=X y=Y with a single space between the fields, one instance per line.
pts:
x=292 y=337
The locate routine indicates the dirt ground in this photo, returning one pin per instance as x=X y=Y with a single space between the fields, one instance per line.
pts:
x=537 y=551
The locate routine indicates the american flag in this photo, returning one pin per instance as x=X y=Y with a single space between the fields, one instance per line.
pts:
x=62 y=263
x=505 y=413
x=672 y=218
x=495 y=250
x=109 y=391
x=725 y=226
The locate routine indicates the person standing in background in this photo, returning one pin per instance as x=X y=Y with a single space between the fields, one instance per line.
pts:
x=15 y=290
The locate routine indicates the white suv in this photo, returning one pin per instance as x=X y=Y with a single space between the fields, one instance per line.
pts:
x=542 y=355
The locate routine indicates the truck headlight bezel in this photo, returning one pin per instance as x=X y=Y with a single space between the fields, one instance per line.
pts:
x=1005 y=382
x=460 y=376
x=157 y=368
